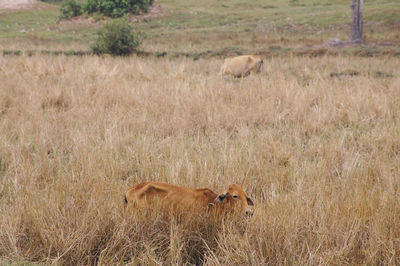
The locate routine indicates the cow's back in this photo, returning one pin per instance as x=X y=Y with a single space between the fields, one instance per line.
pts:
x=235 y=66
x=167 y=196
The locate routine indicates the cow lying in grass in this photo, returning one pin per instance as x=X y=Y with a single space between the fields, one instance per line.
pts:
x=241 y=66
x=186 y=200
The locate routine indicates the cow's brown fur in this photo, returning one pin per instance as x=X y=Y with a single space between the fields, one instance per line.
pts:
x=182 y=199
x=241 y=66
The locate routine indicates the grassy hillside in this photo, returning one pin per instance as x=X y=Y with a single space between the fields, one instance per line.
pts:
x=191 y=26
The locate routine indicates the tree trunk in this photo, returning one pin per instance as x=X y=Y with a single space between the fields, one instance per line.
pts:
x=356 y=21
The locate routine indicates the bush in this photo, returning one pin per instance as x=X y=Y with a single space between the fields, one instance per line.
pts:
x=70 y=9
x=116 y=38
x=51 y=1
x=117 y=8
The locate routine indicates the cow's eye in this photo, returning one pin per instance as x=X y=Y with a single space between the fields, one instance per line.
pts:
x=235 y=196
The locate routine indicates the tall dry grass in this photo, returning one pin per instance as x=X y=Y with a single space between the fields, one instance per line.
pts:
x=319 y=155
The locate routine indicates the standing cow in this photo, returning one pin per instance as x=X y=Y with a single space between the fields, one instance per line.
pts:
x=241 y=66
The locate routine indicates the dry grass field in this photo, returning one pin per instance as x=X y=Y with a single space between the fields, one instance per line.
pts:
x=314 y=141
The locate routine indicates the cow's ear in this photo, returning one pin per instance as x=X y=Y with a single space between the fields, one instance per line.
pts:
x=249 y=202
x=249 y=59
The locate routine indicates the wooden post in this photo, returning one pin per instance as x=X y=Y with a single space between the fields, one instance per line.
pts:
x=356 y=21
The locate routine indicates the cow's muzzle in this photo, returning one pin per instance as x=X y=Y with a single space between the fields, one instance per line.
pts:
x=220 y=198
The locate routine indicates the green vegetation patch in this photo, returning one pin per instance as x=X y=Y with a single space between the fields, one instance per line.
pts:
x=117 y=38
x=117 y=8
x=70 y=9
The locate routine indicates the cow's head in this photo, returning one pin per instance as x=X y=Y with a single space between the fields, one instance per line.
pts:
x=235 y=200
x=256 y=63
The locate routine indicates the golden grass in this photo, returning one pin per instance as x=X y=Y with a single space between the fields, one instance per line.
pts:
x=319 y=155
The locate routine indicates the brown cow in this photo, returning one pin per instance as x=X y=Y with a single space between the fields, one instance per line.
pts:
x=187 y=200
x=241 y=66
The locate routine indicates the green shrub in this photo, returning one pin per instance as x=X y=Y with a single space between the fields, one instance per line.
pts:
x=70 y=9
x=117 y=8
x=51 y=1
x=116 y=38
x=9 y=52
